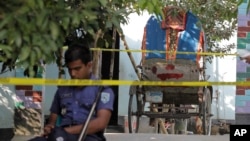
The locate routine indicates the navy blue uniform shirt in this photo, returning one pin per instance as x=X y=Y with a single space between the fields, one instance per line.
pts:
x=73 y=104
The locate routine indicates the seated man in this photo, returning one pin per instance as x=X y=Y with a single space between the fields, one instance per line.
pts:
x=73 y=103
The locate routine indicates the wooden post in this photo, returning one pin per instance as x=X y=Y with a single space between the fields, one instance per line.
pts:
x=97 y=57
x=112 y=60
x=130 y=55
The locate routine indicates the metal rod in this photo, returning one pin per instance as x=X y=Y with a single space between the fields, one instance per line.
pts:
x=85 y=127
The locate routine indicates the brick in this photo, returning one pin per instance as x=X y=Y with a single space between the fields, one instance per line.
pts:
x=28 y=93
x=242 y=87
x=24 y=87
x=243 y=119
x=246 y=29
x=240 y=92
x=244 y=110
x=243 y=41
x=33 y=93
x=241 y=75
x=248 y=103
x=242 y=35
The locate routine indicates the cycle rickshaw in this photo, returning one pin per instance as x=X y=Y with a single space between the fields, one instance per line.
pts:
x=171 y=54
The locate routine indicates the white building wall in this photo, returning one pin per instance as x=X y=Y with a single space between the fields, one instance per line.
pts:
x=223 y=69
x=133 y=34
x=49 y=91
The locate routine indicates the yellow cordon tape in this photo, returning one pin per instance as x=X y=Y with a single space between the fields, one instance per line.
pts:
x=65 y=82
x=158 y=51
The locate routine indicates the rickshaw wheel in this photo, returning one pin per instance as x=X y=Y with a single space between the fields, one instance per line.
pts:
x=206 y=112
x=134 y=106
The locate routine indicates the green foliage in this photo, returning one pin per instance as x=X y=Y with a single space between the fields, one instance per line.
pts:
x=218 y=18
x=35 y=30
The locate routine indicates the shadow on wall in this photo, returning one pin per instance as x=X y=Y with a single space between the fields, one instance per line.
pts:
x=27 y=121
x=28 y=111
x=19 y=117
x=7 y=104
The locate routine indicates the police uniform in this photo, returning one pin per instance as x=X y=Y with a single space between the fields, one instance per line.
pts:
x=73 y=104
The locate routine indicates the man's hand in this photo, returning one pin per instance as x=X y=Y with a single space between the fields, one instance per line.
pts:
x=47 y=129
x=75 y=129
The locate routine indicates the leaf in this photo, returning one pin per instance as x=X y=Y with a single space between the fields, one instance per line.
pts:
x=5 y=47
x=115 y=22
x=54 y=30
x=31 y=3
x=37 y=51
x=75 y=19
x=44 y=24
x=142 y=3
x=103 y=2
x=40 y=3
x=25 y=52
x=3 y=34
x=41 y=19
x=31 y=71
x=65 y=22
x=33 y=57
x=52 y=46
x=154 y=2
x=150 y=8
x=109 y=24
x=5 y=20
x=18 y=39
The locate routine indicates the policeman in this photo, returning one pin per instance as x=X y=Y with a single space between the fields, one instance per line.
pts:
x=73 y=103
